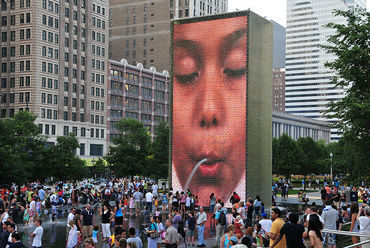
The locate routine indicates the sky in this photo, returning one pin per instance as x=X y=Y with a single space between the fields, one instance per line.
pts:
x=271 y=9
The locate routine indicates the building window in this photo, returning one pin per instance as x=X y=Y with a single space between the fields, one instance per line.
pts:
x=82 y=147
x=65 y=130
x=96 y=150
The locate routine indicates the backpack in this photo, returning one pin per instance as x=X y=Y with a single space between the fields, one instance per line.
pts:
x=222 y=219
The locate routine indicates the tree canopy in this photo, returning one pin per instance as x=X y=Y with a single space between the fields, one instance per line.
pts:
x=351 y=46
x=25 y=155
x=129 y=153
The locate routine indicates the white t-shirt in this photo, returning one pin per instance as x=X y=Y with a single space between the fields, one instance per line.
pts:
x=266 y=225
x=10 y=240
x=53 y=198
x=155 y=189
x=33 y=205
x=137 y=240
x=69 y=218
x=38 y=236
x=364 y=224
x=148 y=197
x=137 y=196
x=160 y=229
x=6 y=216
x=187 y=201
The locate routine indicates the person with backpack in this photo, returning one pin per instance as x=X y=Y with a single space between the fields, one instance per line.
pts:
x=220 y=218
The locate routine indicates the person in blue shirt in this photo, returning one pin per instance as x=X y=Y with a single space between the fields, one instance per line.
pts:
x=42 y=194
x=95 y=234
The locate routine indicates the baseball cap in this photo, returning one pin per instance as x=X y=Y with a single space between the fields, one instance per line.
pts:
x=264 y=215
x=234 y=239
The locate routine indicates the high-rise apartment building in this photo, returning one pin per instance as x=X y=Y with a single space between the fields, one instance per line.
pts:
x=279 y=45
x=137 y=93
x=54 y=63
x=140 y=30
x=278 y=90
x=308 y=81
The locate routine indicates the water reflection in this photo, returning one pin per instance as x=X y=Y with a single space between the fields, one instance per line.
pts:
x=55 y=233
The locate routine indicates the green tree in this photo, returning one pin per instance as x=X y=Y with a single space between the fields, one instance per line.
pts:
x=311 y=157
x=350 y=44
x=158 y=164
x=65 y=164
x=20 y=144
x=130 y=151
x=99 y=167
x=286 y=156
x=275 y=157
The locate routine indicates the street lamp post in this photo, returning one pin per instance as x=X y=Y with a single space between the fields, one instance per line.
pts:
x=331 y=166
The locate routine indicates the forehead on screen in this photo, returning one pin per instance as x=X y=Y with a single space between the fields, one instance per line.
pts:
x=209 y=28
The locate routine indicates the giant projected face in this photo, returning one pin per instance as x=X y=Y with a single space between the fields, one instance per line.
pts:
x=209 y=107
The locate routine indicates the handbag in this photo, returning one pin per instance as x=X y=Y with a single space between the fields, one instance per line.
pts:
x=154 y=234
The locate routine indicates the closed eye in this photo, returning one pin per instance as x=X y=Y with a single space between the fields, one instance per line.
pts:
x=235 y=73
x=187 y=78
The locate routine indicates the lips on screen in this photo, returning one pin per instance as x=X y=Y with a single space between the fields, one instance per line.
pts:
x=209 y=106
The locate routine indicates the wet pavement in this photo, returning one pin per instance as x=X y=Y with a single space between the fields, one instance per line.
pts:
x=55 y=233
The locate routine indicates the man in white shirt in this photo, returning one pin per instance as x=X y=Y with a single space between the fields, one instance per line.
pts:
x=266 y=227
x=201 y=220
x=11 y=230
x=37 y=234
x=149 y=200
x=330 y=216
x=155 y=189
x=70 y=217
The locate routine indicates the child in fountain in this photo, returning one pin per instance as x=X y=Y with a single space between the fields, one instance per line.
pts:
x=95 y=234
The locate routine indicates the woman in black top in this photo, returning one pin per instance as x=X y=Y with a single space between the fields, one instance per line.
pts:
x=106 y=215
x=77 y=220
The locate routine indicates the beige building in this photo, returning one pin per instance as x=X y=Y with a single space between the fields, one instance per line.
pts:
x=54 y=63
x=140 y=30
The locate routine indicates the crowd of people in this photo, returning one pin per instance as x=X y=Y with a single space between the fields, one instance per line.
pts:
x=96 y=215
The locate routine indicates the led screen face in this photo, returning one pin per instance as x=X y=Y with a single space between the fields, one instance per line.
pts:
x=209 y=108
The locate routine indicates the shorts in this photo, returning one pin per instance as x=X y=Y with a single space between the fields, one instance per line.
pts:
x=95 y=240
x=118 y=220
x=87 y=231
x=137 y=204
x=190 y=233
x=329 y=239
x=187 y=208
